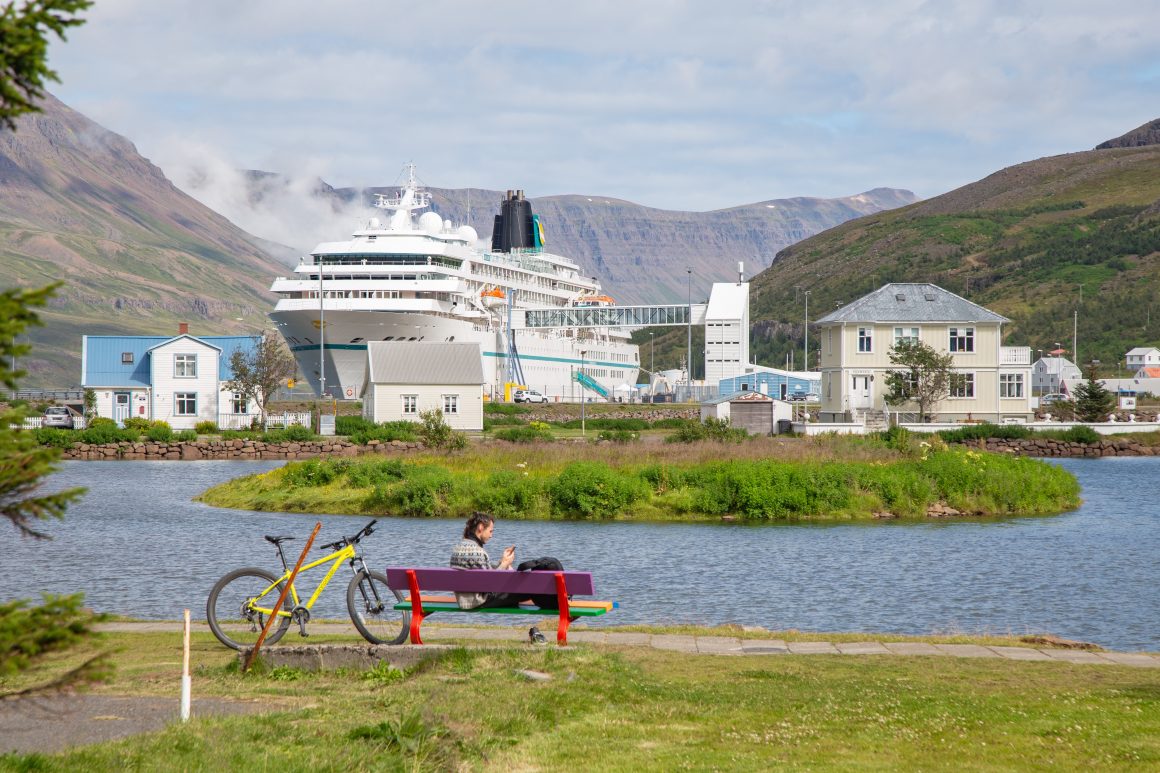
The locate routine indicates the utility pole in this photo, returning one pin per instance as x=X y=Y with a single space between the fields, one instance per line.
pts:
x=689 y=345
x=321 y=342
x=583 y=397
x=807 y=345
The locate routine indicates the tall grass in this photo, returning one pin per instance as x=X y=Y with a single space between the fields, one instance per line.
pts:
x=834 y=479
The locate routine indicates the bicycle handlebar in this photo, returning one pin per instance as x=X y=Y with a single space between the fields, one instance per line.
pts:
x=365 y=531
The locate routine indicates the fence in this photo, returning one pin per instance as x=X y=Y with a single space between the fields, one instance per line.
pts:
x=36 y=422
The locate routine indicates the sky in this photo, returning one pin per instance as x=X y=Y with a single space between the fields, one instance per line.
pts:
x=675 y=105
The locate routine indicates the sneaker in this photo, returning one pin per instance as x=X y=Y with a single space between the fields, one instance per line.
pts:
x=535 y=637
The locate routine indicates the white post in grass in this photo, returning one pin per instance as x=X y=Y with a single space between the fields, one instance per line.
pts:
x=185 y=681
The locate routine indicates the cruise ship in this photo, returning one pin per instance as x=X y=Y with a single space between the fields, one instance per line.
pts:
x=418 y=277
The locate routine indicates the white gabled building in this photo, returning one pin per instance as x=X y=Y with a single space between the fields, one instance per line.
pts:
x=726 y=331
x=407 y=378
x=1142 y=357
x=994 y=381
x=179 y=379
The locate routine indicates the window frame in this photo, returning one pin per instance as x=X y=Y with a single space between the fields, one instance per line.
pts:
x=410 y=405
x=967 y=379
x=179 y=403
x=961 y=343
x=451 y=405
x=865 y=334
x=898 y=335
x=189 y=361
x=1006 y=381
x=238 y=399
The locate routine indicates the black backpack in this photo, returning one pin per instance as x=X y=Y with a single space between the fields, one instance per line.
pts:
x=543 y=564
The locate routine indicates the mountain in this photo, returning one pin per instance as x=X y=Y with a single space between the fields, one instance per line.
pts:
x=1071 y=238
x=1148 y=134
x=639 y=254
x=79 y=205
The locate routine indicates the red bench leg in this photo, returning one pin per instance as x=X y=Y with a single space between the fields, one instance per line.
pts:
x=565 y=615
x=416 y=607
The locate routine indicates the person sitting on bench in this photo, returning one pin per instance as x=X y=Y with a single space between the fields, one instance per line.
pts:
x=470 y=554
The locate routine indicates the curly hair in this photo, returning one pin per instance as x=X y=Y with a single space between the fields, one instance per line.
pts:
x=476 y=520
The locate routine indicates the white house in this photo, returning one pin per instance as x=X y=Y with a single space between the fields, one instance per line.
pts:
x=1050 y=374
x=992 y=381
x=179 y=380
x=1142 y=357
x=407 y=378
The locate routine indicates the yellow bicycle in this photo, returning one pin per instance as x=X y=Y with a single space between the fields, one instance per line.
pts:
x=242 y=601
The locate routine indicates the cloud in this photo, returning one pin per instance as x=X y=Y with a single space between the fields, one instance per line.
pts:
x=671 y=104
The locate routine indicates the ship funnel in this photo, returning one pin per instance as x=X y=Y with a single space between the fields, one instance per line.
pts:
x=513 y=229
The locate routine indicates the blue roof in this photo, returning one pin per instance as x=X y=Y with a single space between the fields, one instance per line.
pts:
x=102 y=365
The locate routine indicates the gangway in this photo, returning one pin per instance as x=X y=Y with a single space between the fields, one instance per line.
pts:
x=610 y=316
x=590 y=383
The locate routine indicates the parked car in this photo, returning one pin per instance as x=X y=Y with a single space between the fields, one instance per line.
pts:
x=1054 y=397
x=529 y=396
x=58 y=416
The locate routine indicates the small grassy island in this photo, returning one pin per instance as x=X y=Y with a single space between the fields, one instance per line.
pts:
x=763 y=479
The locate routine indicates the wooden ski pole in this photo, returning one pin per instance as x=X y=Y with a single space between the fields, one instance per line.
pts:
x=281 y=599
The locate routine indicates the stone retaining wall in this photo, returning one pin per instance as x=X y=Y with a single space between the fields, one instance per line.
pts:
x=232 y=449
x=1046 y=447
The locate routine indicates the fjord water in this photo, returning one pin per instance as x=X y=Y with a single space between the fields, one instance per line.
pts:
x=138 y=546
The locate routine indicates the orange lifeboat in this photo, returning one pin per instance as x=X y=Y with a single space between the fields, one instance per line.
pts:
x=594 y=300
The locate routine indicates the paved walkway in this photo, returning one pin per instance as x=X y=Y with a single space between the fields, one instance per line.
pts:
x=717 y=645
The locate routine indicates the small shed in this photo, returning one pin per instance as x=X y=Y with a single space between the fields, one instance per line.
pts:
x=754 y=412
x=407 y=378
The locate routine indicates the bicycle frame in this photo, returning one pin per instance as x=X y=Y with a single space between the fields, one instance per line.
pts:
x=347 y=553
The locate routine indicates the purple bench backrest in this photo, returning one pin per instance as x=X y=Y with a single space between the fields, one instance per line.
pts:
x=488 y=581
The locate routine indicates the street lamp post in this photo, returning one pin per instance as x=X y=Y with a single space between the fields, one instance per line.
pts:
x=651 y=361
x=583 y=397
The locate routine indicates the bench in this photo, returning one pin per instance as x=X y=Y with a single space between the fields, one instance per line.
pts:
x=418 y=583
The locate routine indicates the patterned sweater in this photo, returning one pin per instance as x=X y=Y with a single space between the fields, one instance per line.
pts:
x=469 y=554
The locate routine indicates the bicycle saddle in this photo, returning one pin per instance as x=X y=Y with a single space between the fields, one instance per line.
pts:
x=277 y=540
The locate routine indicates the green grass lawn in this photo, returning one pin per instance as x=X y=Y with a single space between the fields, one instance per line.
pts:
x=636 y=709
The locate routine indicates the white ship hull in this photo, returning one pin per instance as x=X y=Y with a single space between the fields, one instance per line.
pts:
x=549 y=361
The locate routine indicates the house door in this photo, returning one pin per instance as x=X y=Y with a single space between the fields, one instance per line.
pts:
x=784 y=390
x=860 y=392
x=120 y=407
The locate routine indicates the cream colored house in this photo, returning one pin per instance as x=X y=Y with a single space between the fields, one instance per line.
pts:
x=406 y=378
x=994 y=381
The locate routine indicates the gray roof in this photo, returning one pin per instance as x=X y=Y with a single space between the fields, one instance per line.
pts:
x=420 y=362
x=912 y=303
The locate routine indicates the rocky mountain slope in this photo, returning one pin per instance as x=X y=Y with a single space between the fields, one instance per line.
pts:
x=136 y=255
x=1044 y=243
x=639 y=254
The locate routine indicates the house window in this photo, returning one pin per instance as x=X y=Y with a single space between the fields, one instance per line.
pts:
x=185 y=366
x=238 y=402
x=127 y=358
x=450 y=404
x=962 y=385
x=185 y=404
x=410 y=404
x=907 y=334
x=962 y=339
x=865 y=340
x=1010 y=385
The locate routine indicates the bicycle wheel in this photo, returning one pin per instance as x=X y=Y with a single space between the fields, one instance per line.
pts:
x=230 y=610
x=372 y=609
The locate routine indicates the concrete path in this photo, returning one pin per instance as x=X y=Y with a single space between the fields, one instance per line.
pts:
x=714 y=645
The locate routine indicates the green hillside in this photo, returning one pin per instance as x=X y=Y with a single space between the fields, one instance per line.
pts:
x=1035 y=242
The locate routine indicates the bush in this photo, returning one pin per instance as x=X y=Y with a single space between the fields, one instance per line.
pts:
x=159 y=432
x=185 y=436
x=1080 y=435
x=139 y=423
x=310 y=473
x=424 y=493
x=986 y=431
x=406 y=431
x=503 y=421
x=55 y=437
x=717 y=430
x=592 y=489
x=630 y=425
x=205 y=428
x=295 y=433
x=774 y=490
x=375 y=473
x=349 y=425
x=100 y=421
x=532 y=433
x=506 y=494
x=504 y=409
x=437 y=433
x=107 y=433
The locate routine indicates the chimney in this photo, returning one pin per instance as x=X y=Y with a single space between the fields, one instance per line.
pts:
x=182 y=328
